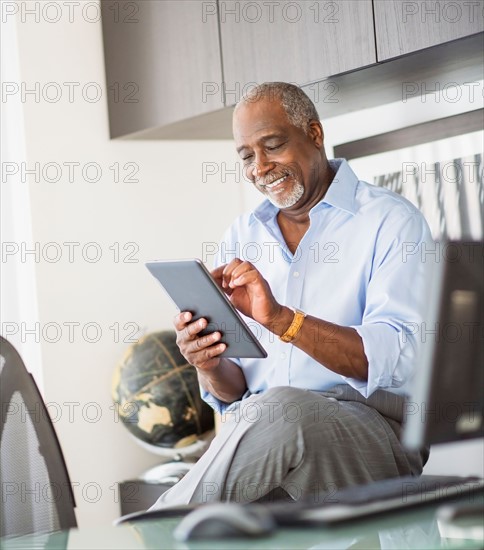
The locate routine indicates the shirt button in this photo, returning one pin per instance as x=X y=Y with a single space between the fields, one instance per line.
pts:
x=283 y=355
x=295 y=274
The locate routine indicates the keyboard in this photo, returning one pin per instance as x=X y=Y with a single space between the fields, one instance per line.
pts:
x=351 y=503
x=377 y=497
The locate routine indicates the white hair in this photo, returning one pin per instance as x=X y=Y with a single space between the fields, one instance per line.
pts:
x=300 y=110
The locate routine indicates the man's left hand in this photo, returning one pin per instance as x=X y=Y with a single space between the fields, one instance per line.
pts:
x=248 y=291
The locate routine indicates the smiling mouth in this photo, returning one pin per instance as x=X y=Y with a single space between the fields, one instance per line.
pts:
x=275 y=183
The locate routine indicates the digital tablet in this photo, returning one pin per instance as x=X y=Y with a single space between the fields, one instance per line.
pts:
x=191 y=287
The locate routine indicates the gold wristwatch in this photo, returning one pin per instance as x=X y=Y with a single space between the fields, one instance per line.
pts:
x=294 y=327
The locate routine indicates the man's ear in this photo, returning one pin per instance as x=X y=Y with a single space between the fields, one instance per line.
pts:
x=316 y=133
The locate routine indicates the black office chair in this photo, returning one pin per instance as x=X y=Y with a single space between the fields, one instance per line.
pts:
x=37 y=495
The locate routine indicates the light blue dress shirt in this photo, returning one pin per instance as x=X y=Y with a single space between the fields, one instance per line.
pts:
x=359 y=265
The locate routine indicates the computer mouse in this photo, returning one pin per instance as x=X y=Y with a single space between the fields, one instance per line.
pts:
x=225 y=520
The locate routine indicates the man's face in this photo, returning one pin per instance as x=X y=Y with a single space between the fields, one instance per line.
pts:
x=279 y=158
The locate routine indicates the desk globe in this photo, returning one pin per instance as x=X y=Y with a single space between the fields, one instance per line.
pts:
x=158 y=400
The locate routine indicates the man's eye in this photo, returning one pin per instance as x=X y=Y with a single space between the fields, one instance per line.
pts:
x=274 y=147
x=247 y=158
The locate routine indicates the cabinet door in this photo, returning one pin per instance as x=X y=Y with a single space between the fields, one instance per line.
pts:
x=403 y=27
x=162 y=62
x=293 y=41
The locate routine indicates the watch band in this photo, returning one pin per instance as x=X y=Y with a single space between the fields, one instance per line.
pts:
x=294 y=327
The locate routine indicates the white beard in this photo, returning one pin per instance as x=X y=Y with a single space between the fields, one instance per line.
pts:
x=286 y=200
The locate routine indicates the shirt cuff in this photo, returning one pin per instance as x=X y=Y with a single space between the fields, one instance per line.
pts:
x=382 y=346
x=220 y=406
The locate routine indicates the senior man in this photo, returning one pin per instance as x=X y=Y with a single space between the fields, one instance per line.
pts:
x=329 y=292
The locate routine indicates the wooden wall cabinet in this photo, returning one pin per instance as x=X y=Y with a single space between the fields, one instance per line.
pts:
x=404 y=26
x=173 y=67
x=162 y=63
x=299 y=41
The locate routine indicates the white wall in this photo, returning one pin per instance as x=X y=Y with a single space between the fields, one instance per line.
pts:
x=170 y=212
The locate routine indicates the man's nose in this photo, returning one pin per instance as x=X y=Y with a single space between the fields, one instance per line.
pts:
x=260 y=167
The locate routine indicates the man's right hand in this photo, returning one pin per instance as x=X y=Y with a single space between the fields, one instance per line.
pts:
x=219 y=376
x=200 y=351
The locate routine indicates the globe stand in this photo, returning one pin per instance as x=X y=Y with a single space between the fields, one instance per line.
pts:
x=193 y=451
x=139 y=494
x=168 y=473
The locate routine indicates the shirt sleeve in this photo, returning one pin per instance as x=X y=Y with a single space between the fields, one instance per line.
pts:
x=216 y=404
x=395 y=304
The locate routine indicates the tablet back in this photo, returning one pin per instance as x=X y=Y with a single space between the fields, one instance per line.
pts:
x=189 y=284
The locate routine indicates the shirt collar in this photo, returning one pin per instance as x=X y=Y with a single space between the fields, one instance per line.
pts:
x=341 y=194
x=342 y=191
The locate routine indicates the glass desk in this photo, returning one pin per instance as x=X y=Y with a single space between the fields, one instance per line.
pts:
x=416 y=528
